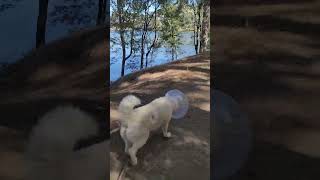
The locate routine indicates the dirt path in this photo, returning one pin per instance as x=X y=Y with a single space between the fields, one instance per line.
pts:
x=272 y=69
x=187 y=154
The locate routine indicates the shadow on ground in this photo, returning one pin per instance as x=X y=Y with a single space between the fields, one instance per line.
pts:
x=272 y=68
x=184 y=156
x=187 y=154
x=268 y=161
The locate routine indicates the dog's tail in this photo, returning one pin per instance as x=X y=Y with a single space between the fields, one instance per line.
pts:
x=55 y=136
x=128 y=103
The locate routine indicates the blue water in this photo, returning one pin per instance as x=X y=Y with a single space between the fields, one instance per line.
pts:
x=18 y=21
x=161 y=55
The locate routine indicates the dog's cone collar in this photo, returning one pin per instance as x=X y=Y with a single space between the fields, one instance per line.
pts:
x=182 y=102
x=231 y=140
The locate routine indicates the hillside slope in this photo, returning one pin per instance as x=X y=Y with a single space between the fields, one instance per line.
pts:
x=71 y=70
x=267 y=58
x=186 y=154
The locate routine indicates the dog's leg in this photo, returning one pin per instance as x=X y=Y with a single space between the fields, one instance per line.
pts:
x=136 y=146
x=124 y=137
x=165 y=129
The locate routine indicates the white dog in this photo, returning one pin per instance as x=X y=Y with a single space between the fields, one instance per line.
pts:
x=136 y=123
x=50 y=153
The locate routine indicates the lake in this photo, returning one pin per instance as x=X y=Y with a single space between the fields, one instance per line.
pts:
x=18 y=20
x=161 y=55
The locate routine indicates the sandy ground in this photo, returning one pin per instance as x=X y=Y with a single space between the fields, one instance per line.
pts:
x=267 y=58
x=187 y=154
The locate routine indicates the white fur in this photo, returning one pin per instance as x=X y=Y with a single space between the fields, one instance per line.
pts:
x=137 y=123
x=128 y=103
x=50 y=152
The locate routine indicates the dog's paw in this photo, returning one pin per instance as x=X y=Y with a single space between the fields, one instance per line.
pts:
x=168 y=135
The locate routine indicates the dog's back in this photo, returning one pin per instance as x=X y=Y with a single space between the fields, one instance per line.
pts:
x=154 y=114
x=164 y=108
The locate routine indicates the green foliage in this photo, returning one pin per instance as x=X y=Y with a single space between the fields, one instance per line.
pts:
x=135 y=22
x=172 y=21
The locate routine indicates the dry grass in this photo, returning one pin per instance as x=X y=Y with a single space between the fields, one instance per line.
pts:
x=304 y=12
x=190 y=73
x=245 y=42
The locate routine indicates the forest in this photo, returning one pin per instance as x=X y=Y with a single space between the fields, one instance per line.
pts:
x=144 y=26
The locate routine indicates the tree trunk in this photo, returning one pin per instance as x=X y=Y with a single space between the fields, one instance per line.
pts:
x=142 y=49
x=146 y=61
x=123 y=47
x=194 y=29
x=143 y=37
x=121 y=32
x=204 y=38
x=102 y=12
x=198 y=28
x=42 y=23
x=172 y=54
x=155 y=36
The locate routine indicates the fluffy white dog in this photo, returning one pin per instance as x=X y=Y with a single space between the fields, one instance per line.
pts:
x=50 y=153
x=136 y=123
